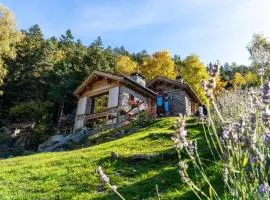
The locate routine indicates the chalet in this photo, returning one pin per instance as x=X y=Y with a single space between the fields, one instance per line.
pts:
x=177 y=95
x=112 y=99
x=115 y=99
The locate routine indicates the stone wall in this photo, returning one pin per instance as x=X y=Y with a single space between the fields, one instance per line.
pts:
x=124 y=95
x=179 y=102
x=179 y=99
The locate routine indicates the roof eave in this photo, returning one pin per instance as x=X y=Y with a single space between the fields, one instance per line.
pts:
x=105 y=74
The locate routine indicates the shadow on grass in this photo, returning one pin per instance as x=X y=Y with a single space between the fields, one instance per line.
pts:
x=168 y=180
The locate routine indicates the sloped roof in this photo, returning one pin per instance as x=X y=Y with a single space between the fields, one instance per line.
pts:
x=117 y=77
x=183 y=85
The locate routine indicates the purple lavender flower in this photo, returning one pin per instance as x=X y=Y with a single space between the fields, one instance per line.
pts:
x=267 y=138
x=263 y=188
x=251 y=159
x=204 y=84
x=266 y=93
x=190 y=147
x=103 y=176
x=225 y=134
x=179 y=139
x=266 y=117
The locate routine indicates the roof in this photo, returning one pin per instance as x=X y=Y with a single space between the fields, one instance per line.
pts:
x=183 y=85
x=117 y=77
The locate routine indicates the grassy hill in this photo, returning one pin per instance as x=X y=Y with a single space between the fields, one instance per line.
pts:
x=71 y=174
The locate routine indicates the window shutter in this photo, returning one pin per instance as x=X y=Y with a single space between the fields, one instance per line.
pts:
x=89 y=106
x=84 y=102
x=113 y=97
x=81 y=107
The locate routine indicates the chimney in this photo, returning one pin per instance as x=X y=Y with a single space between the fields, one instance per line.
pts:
x=180 y=79
x=138 y=78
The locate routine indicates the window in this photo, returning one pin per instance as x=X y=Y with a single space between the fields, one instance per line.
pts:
x=100 y=103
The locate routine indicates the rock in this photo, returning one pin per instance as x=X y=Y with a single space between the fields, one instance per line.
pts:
x=79 y=136
x=52 y=143
x=60 y=142
x=58 y=139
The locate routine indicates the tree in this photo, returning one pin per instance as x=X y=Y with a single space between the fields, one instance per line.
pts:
x=140 y=56
x=220 y=85
x=252 y=79
x=125 y=65
x=193 y=71
x=259 y=49
x=238 y=80
x=99 y=58
x=159 y=64
x=8 y=38
x=34 y=57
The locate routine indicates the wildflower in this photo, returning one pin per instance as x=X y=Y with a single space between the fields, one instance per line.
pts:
x=114 y=188
x=179 y=139
x=225 y=134
x=267 y=138
x=251 y=159
x=211 y=83
x=106 y=180
x=242 y=124
x=252 y=121
x=256 y=156
x=182 y=169
x=183 y=165
x=225 y=174
x=190 y=147
x=103 y=176
x=263 y=188
x=266 y=93
x=266 y=117
x=204 y=84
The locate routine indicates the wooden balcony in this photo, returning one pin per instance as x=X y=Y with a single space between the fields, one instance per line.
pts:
x=109 y=113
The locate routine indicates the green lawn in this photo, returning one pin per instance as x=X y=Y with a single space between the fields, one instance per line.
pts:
x=71 y=174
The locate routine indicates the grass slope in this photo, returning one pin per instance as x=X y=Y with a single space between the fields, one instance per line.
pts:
x=71 y=175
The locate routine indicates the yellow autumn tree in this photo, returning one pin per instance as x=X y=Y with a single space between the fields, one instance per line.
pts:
x=159 y=64
x=238 y=80
x=220 y=85
x=125 y=65
x=252 y=79
x=9 y=36
x=193 y=71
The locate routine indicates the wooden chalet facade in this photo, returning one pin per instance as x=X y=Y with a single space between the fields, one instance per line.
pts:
x=113 y=98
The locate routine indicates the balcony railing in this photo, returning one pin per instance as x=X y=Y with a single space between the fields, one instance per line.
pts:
x=109 y=113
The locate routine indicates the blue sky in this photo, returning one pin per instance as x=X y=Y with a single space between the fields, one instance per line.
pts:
x=213 y=29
